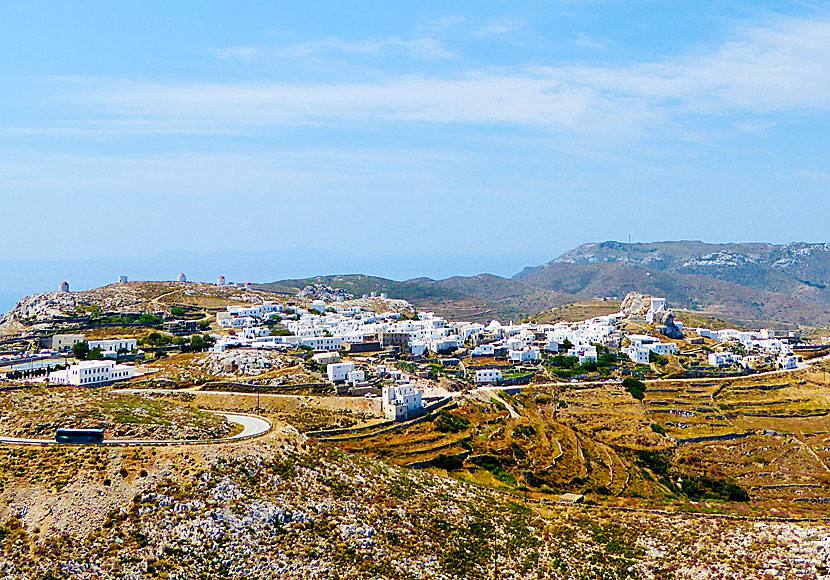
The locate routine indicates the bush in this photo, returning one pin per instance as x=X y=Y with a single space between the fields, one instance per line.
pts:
x=81 y=350
x=658 y=428
x=636 y=388
x=446 y=422
x=703 y=487
x=448 y=462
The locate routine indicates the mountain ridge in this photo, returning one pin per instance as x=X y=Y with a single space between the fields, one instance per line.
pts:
x=758 y=281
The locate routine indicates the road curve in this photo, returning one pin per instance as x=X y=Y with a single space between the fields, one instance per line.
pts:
x=252 y=426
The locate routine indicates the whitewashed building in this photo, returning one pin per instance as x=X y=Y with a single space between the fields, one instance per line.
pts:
x=488 y=376
x=339 y=372
x=112 y=346
x=92 y=372
x=401 y=402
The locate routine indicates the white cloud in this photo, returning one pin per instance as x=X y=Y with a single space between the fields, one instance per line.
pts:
x=781 y=67
x=819 y=176
x=424 y=48
x=501 y=27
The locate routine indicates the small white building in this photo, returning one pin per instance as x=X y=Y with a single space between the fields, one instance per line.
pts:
x=488 y=376
x=723 y=359
x=356 y=376
x=788 y=362
x=326 y=358
x=319 y=306
x=484 y=350
x=322 y=343
x=220 y=281
x=530 y=354
x=122 y=279
x=339 y=372
x=638 y=355
x=401 y=402
x=114 y=345
x=92 y=372
x=181 y=278
x=64 y=286
x=663 y=348
x=61 y=342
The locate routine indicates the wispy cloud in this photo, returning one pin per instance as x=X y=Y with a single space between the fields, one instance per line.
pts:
x=781 y=67
x=501 y=26
x=819 y=176
x=426 y=48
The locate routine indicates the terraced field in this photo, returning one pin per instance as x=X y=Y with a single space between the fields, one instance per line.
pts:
x=751 y=446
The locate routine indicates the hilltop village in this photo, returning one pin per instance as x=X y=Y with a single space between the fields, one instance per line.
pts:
x=376 y=347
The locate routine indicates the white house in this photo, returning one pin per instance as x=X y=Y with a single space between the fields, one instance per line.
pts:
x=322 y=343
x=585 y=353
x=663 y=348
x=722 y=359
x=401 y=402
x=92 y=372
x=638 y=355
x=319 y=305
x=788 y=362
x=339 y=372
x=488 y=376
x=525 y=355
x=114 y=345
x=483 y=350
x=66 y=341
x=356 y=376
x=325 y=358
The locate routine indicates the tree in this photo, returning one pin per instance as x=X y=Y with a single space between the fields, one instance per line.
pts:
x=94 y=354
x=635 y=387
x=566 y=345
x=81 y=350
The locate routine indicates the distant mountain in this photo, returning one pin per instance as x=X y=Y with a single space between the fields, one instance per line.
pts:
x=763 y=282
x=747 y=283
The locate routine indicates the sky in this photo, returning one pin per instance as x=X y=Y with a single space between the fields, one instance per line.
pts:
x=460 y=129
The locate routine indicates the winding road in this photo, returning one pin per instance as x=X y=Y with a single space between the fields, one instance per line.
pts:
x=252 y=426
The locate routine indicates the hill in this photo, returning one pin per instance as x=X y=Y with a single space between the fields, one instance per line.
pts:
x=476 y=298
x=759 y=282
x=748 y=284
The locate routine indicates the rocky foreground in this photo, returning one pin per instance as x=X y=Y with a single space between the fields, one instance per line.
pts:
x=282 y=507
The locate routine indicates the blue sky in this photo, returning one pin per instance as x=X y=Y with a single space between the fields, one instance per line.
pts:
x=454 y=128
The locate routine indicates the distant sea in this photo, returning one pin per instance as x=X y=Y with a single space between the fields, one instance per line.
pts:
x=8 y=300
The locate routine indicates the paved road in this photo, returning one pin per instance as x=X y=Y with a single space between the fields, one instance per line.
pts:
x=252 y=426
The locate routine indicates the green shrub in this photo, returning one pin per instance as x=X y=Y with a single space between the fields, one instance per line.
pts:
x=636 y=388
x=446 y=422
x=448 y=462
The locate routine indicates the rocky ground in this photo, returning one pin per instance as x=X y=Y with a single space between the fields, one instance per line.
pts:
x=239 y=362
x=284 y=507
x=37 y=413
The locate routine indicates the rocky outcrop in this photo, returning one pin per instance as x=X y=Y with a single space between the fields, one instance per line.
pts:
x=244 y=362
x=669 y=328
x=323 y=292
x=636 y=304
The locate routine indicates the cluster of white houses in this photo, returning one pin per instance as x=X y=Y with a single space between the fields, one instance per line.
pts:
x=763 y=342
